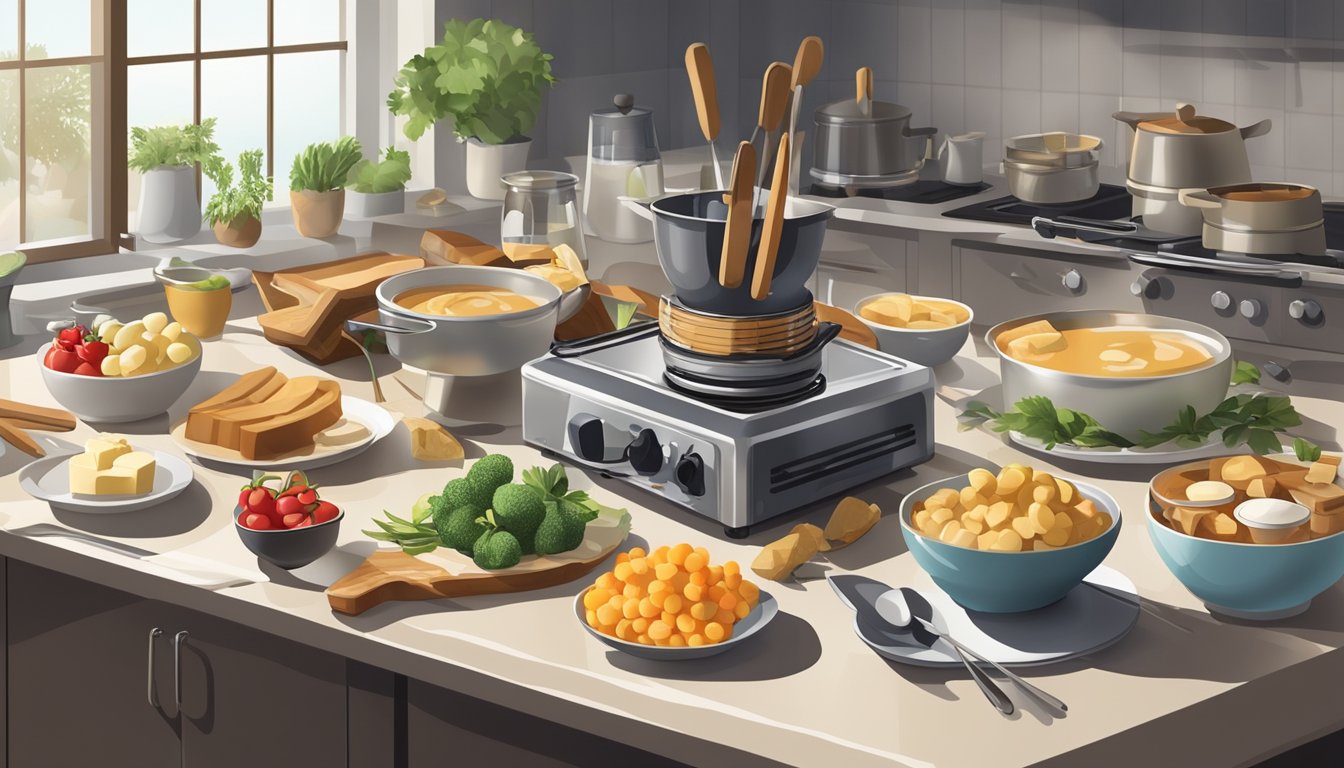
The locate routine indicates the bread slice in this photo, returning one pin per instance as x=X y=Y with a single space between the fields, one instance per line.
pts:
x=228 y=422
x=293 y=429
x=250 y=389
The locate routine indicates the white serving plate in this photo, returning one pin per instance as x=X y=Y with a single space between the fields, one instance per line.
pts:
x=762 y=614
x=1088 y=619
x=1157 y=455
x=372 y=417
x=48 y=479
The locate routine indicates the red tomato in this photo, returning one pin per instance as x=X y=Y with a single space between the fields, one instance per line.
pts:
x=257 y=521
x=92 y=352
x=63 y=360
x=308 y=496
x=293 y=519
x=304 y=523
x=288 y=505
x=261 y=500
x=87 y=369
x=73 y=336
x=325 y=511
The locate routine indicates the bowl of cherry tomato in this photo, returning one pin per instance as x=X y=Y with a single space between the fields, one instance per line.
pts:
x=288 y=525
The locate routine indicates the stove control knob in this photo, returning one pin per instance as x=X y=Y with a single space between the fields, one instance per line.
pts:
x=1249 y=308
x=586 y=438
x=1220 y=300
x=1304 y=309
x=1072 y=280
x=690 y=474
x=1146 y=288
x=645 y=453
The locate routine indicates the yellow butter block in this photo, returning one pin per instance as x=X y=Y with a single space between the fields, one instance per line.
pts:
x=1041 y=343
x=1323 y=471
x=104 y=449
x=140 y=466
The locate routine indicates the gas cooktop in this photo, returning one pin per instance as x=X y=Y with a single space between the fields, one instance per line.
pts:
x=1110 y=202
x=613 y=409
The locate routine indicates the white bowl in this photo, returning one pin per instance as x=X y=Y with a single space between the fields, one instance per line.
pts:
x=113 y=399
x=926 y=346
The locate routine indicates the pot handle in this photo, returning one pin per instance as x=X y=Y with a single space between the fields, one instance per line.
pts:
x=402 y=326
x=1199 y=198
x=826 y=333
x=640 y=208
x=1134 y=118
x=1257 y=129
x=911 y=133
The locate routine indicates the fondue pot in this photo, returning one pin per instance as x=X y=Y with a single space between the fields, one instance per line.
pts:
x=1263 y=218
x=466 y=346
x=862 y=143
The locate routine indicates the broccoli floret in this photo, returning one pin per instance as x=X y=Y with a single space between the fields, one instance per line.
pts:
x=496 y=549
x=562 y=528
x=518 y=509
x=464 y=493
x=458 y=528
x=576 y=519
x=491 y=472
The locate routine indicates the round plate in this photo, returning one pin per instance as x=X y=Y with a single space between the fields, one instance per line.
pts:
x=755 y=621
x=1159 y=455
x=1086 y=620
x=48 y=479
x=374 y=418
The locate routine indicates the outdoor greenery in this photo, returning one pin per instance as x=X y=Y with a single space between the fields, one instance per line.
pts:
x=486 y=74
x=172 y=145
x=324 y=166
x=231 y=203
x=372 y=177
x=57 y=113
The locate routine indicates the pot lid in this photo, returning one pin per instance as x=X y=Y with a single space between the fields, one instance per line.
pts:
x=850 y=111
x=1264 y=192
x=1198 y=124
x=528 y=181
x=623 y=132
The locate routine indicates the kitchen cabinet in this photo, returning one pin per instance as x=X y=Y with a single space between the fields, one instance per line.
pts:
x=1001 y=283
x=858 y=262
x=80 y=684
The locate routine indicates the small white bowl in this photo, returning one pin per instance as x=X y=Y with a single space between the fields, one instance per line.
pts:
x=926 y=346
x=115 y=399
x=1271 y=521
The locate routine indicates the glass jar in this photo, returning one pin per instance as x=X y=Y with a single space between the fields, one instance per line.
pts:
x=623 y=161
x=540 y=211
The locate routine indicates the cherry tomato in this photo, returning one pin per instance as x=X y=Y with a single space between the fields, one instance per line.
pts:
x=308 y=496
x=293 y=519
x=87 y=369
x=325 y=511
x=257 y=521
x=261 y=499
x=63 y=360
x=304 y=523
x=92 y=351
x=73 y=336
x=288 y=505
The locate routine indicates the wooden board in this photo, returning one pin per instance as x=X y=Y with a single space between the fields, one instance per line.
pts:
x=388 y=575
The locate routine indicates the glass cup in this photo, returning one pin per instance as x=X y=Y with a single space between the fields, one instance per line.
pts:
x=540 y=212
x=202 y=311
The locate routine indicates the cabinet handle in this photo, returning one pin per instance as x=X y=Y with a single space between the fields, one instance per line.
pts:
x=178 y=640
x=152 y=694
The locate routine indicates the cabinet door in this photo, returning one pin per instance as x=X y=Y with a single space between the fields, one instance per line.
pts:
x=1003 y=283
x=78 y=692
x=255 y=699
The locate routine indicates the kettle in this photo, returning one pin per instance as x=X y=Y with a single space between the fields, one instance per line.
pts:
x=623 y=161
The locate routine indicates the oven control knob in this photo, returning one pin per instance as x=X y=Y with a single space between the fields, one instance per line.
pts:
x=690 y=474
x=1220 y=300
x=586 y=438
x=1304 y=309
x=1073 y=280
x=1146 y=288
x=1249 y=308
x=645 y=453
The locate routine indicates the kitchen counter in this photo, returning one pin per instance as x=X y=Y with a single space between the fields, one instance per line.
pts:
x=1182 y=687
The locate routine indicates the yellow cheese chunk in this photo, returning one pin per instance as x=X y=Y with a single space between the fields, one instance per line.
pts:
x=140 y=466
x=1262 y=488
x=1045 y=343
x=109 y=466
x=1040 y=326
x=431 y=442
x=105 y=449
x=983 y=481
x=1323 y=471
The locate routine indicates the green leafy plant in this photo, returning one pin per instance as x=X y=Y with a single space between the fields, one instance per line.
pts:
x=373 y=177
x=486 y=74
x=230 y=203
x=324 y=166
x=169 y=145
x=1245 y=373
x=56 y=113
x=1306 y=450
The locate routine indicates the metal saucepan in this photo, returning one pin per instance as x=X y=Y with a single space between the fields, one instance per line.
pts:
x=1052 y=168
x=1129 y=405
x=1266 y=218
x=864 y=143
x=1161 y=209
x=745 y=370
x=466 y=346
x=1181 y=149
x=688 y=233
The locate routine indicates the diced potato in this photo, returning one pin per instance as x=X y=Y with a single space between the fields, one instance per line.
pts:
x=128 y=334
x=922 y=519
x=171 y=331
x=1008 y=541
x=1040 y=326
x=107 y=332
x=1262 y=488
x=1010 y=479
x=133 y=359
x=178 y=352
x=977 y=512
x=1024 y=528
x=155 y=322
x=949 y=531
x=1239 y=471
x=925 y=325
x=1219 y=525
x=942 y=515
x=998 y=513
x=1044 y=494
x=1065 y=492
x=111 y=365
x=983 y=481
x=986 y=540
x=971 y=524
x=1042 y=517
x=1325 y=525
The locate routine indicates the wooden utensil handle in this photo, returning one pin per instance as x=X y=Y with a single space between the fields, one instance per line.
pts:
x=737 y=226
x=807 y=61
x=700 y=69
x=863 y=85
x=768 y=249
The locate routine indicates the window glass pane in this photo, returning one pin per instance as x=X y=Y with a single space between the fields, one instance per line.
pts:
x=57 y=116
x=156 y=94
x=234 y=92
x=307 y=107
x=228 y=24
x=9 y=159
x=307 y=21
x=155 y=27
x=62 y=27
x=9 y=29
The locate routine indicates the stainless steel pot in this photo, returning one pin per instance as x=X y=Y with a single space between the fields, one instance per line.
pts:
x=466 y=346
x=866 y=144
x=1182 y=149
x=1128 y=406
x=1050 y=185
x=1264 y=218
x=1161 y=209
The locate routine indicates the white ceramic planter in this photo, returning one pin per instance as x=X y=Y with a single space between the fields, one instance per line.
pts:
x=361 y=205
x=487 y=162
x=169 y=208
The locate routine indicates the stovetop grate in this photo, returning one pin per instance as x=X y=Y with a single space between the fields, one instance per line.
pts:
x=923 y=192
x=1111 y=202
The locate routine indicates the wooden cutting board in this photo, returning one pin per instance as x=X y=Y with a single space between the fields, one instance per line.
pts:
x=388 y=575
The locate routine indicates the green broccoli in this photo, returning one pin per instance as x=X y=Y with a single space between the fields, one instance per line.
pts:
x=496 y=549
x=459 y=528
x=518 y=509
x=562 y=528
x=491 y=472
x=464 y=493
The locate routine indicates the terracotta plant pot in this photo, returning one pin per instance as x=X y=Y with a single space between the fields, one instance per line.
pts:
x=242 y=232
x=317 y=214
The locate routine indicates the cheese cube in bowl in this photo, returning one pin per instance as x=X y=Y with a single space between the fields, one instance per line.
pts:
x=921 y=329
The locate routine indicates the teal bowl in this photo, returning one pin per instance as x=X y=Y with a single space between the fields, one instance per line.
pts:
x=1007 y=582
x=1249 y=581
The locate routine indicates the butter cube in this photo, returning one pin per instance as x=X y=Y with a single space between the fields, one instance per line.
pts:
x=1323 y=470
x=104 y=449
x=1042 y=343
x=84 y=473
x=1040 y=326
x=139 y=466
x=109 y=467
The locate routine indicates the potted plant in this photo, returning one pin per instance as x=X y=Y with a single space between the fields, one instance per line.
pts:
x=377 y=188
x=317 y=185
x=234 y=212
x=166 y=156
x=488 y=76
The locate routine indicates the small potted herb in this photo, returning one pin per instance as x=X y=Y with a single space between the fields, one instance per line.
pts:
x=234 y=212
x=378 y=187
x=317 y=185
x=488 y=76
x=166 y=156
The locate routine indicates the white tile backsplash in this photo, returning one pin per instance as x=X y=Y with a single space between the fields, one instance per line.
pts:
x=1022 y=45
x=914 y=49
x=948 y=39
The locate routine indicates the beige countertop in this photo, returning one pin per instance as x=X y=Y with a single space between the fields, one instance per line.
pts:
x=1183 y=686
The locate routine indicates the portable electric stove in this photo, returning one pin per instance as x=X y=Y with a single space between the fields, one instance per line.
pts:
x=609 y=406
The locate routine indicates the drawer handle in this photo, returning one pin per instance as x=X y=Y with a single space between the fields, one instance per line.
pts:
x=178 y=640
x=152 y=694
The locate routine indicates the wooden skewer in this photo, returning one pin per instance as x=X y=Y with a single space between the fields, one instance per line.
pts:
x=20 y=439
x=37 y=417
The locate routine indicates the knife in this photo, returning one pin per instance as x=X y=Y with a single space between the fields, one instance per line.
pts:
x=41 y=530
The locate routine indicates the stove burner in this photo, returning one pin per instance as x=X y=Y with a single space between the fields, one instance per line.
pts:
x=750 y=401
x=1110 y=202
x=924 y=192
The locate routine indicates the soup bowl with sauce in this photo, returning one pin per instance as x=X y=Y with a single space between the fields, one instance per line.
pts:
x=1132 y=372
x=466 y=321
